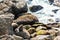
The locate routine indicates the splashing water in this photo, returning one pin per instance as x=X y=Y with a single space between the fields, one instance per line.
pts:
x=46 y=15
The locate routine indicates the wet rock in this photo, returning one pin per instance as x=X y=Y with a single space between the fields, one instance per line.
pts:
x=41 y=32
x=26 y=19
x=33 y=35
x=36 y=25
x=5 y=24
x=19 y=7
x=42 y=37
x=20 y=31
x=7 y=37
x=14 y=25
x=57 y=2
x=31 y=30
x=17 y=37
x=1 y=0
x=57 y=38
x=35 y=8
x=52 y=25
x=52 y=32
x=51 y=1
x=2 y=6
x=55 y=11
x=10 y=37
x=27 y=26
x=41 y=28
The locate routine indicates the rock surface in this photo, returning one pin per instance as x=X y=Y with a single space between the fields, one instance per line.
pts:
x=20 y=31
x=42 y=37
x=5 y=24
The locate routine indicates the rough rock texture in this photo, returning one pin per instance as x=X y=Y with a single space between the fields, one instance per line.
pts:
x=19 y=7
x=57 y=2
x=26 y=19
x=57 y=38
x=42 y=37
x=20 y=31
x=9 y=37
x=5 y=24
x=16 y=7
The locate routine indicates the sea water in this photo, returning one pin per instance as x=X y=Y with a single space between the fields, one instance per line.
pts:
x=46 y=15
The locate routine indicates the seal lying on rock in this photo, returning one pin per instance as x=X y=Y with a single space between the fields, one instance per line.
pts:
x=26 y=19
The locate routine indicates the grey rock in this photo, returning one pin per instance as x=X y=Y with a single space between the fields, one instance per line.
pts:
x=5 y=24
x=57 y=38
x=6 y=37
x=17 y=37
x=42 y=37
x=22 y=32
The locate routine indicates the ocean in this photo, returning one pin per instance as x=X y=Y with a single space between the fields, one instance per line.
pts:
x=48 y=14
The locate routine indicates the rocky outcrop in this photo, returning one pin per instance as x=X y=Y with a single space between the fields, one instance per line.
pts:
x=5 y=24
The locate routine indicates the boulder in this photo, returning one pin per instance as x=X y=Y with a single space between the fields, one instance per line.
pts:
x=41 y=28
x=19 y=7
x=9 y=37
x=31 y=30
x=27 y=26
x=5 y=24
x=57 y=38
x=17 y=37
x=57 y=2
x=42 y=37
x=41 y=32
x=20 y=31
x=35 y=8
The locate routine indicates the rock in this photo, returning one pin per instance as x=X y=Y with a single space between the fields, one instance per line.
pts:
x=52 y=32
x=14 y=25
x=57 y=38
x=19 y=7
x=26 y=19
x=36 y=25
x=7 y=37
x=33 y=35
x=55 y=11
x=41 y=32
x=52 y=25
x=57 y=2
x=31 y=30
x=20 y=31
x=2 y=6
x=5 y=24
x=16 y=7
x=27 y=26
x=41 y=28
x=17 y=37
x=51 y=1
x=10 y=37
x=42 y=37
x=35 y=8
